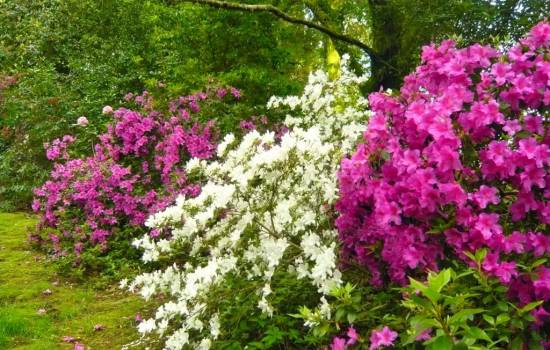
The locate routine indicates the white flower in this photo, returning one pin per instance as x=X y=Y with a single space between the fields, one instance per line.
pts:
x=266 y=308
x=123 y=283
x=146 y=326
x=215 y=326
x=228 y=140
x=260 y=212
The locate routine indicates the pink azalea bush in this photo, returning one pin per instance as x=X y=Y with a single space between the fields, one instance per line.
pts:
x=136 y=169
x=458 y=161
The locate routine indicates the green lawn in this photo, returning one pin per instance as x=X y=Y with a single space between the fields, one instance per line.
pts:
x=71 y=309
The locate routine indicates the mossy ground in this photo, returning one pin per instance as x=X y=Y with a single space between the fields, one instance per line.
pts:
x=71 y=309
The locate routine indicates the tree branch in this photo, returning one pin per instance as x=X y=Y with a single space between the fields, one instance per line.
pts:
x=227 y=5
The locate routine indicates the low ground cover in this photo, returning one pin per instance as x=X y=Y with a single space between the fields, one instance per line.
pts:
x=38 y=308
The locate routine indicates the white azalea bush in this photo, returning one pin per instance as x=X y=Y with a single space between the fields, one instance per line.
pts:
x=265 y=208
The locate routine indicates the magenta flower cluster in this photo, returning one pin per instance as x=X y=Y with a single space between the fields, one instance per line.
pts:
x=458 y=161
x=381 y=338
x=58 y=148
x=137 y=169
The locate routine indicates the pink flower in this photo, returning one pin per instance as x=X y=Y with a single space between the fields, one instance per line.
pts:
x=82 y=121
x=138 y=317
x=352 y=336
x=236 y=93
x=221 y=92
x=68 y=339
x=486 y=195
x=446 y=155
x=384 y=337
x=425 y=335
x=487 y=225
x=512 y=127
x=107 y=110
x=79 y=346
x=540 y=315
x=338 y=344
x=136 y=169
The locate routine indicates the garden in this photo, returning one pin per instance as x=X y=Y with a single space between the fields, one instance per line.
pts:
x=316 y=174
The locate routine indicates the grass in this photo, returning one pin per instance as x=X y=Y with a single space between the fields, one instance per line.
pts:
x=71 y=309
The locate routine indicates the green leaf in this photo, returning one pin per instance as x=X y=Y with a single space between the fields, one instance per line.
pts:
x=466 y=273
x=470 y=255
x=429 y=292
x=535 y=345
x=419 y=324
x=440 y=280
x=530 y=306
x=443 y=342
x=517 y=344
x=417 y=285
x=462 y=315
x=502 y=318
x=489 y=319
x=460 y=346
x=339 y=314
x=477 y=333
x=420 y=302
x=351 y=317
x=481 y=254
x=538 y=263
x=502 y=306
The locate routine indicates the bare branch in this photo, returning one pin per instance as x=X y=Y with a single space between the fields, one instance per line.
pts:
x=227 y=5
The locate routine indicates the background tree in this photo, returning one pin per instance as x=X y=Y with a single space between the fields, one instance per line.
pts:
x=390 y=33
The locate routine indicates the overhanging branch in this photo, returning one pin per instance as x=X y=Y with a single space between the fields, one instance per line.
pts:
x=227 y=5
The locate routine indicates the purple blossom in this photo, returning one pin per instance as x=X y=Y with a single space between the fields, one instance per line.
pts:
x=381 y=338
x=352 y=336
x=457 y=161
x=338 y=344
x=136 y=170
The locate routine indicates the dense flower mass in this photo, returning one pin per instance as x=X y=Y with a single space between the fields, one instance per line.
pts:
x=136 y=170
x=458 y=161
x=265 y=206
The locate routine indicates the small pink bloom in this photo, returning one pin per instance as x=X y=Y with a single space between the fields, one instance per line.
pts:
x=384 y=337
x=425 y=335
x=352 y=335
x=138 y=317
x=79 y=346
x=338 y=344
x=82 y=121
x=236 y=93
x=486 y=195
x=107 y=110
x=69 y=339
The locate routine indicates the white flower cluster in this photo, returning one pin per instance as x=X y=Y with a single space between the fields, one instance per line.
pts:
x=262 y=209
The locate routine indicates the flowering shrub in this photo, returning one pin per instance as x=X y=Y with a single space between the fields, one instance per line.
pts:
x=136 y=169
x=457 y=162
x=264 y=209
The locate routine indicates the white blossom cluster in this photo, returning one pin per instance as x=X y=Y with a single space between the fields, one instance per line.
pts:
x=262 y=209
